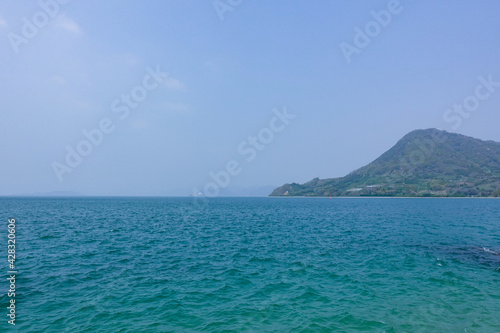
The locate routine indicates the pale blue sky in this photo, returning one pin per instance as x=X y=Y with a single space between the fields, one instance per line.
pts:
x=224 y=79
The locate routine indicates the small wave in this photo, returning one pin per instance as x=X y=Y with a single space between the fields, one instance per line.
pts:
x=485 y=249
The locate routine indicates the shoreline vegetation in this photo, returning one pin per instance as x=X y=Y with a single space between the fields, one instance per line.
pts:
x=424 y=163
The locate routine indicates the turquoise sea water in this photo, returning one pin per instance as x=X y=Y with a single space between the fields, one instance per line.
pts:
x=254 y=265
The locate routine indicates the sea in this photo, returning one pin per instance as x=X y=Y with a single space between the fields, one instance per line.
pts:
x=139 y=264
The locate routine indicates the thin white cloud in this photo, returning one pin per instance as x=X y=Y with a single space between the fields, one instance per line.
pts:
x=173 y=84
x=128 y=59
x=67 y=24
x=58 y=80
x=140 y=124
x=3 y=23
x=177 y=107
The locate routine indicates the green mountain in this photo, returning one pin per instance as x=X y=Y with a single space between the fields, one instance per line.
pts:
x=423 y=163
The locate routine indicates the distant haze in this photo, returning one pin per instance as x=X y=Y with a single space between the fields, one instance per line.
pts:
x=176 y=97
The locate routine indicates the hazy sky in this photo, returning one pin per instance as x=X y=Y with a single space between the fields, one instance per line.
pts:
x=354 y=86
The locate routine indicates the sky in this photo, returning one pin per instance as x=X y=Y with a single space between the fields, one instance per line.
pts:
x=153 y=98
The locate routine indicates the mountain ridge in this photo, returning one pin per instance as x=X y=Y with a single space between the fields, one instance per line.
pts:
x=424 y=162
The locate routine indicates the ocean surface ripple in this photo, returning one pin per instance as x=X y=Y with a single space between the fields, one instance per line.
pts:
x=255 y=265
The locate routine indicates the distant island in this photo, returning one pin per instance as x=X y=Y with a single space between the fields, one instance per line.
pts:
x=424 y=163
x=47 y=194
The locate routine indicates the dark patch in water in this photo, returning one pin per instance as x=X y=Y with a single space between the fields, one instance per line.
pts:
x=483 y=256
